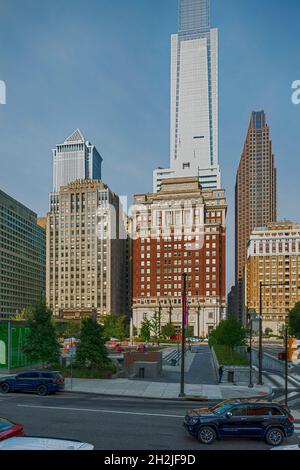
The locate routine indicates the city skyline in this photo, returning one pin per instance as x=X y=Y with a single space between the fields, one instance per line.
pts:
x=31 y=135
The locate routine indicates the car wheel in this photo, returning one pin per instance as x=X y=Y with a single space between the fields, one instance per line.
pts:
x=42 y=390
x=274 y=437
x=5 y=388
x=207 y=435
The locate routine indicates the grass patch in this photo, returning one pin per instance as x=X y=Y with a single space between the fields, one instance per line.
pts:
x=228 y=357
x=104 y=372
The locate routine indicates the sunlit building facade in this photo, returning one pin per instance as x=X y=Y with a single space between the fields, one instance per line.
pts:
x=273 y=259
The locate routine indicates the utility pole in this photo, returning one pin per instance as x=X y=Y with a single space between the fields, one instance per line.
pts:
x=183 y=335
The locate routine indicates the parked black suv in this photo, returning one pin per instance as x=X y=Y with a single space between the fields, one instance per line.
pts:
x=270 y=421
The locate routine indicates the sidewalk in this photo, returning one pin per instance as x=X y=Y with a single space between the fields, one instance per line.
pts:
x=161 y=390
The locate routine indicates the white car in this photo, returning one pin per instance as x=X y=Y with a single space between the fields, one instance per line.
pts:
x=291 y=447
x=43 y=443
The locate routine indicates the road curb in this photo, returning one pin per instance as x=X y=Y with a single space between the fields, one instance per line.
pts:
x=179 y=399
x=200 y=398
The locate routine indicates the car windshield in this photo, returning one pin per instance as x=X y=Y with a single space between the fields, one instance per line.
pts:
x=221 y=408
x=5 y=425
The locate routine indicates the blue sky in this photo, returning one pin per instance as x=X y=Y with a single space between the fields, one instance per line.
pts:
x=103 y=66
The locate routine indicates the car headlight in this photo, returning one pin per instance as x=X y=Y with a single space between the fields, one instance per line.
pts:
x=193 y=421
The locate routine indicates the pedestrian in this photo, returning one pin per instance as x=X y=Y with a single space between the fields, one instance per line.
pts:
x=221 y=372
x=190 y=345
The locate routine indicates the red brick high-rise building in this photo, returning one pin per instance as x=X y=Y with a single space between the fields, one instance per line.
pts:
x=255 y=195
x=180 y=229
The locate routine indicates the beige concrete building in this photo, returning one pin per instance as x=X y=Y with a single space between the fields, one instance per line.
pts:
x=273 y=258
x=87 y=261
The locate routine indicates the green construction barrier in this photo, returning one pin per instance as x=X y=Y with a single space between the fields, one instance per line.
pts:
x=12 y=341
x=3 y=345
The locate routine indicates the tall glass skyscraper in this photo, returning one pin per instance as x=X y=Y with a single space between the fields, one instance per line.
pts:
x=194 y=98
x=22 y=257
x=75 y=159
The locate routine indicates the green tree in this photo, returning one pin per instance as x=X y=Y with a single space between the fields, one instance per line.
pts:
x=294 y=321
x=268 y=331
x=146 y=330
x=168 y=330
x=68 y=329
x=114 y=326
x=41 y=342
x=155 y=326
x=91 y=349
x=228 y=333
x=189 y=332
x=20 y=316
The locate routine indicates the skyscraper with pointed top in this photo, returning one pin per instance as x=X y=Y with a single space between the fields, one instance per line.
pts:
x=255 y=196
x=194 y=98
x=75 y=159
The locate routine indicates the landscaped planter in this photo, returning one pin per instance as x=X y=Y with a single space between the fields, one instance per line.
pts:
x=233 y=373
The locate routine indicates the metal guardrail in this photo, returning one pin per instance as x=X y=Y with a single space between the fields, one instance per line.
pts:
x=174 y=357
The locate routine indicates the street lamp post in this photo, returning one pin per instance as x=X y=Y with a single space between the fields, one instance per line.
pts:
x=198 y=313
x=286 y=366
x=183 y=336
x=260 y=350
x=159 y=321
x=251 y=361
x=170 y=311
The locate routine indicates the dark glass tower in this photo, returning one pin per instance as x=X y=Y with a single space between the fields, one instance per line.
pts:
x=256 y=194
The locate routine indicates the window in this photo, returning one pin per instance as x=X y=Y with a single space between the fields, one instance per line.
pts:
x=263 y=411
x=239 y=411
x=47 y=375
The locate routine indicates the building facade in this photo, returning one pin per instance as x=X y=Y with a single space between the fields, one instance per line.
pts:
x=231 y=298
x=194 y=98
x=180 y=229
x=255 y=195
x=22 y=257
x=75 y=159
x=273 y=259
x=86 y=251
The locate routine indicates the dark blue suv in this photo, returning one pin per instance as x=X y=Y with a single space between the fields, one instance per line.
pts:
x=41 y=382
x=270 y=421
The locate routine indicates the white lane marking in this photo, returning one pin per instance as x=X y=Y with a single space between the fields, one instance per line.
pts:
x=294 y=380
x=290 y=395
x=294 y=402
x=280 y=381
x=101 y=411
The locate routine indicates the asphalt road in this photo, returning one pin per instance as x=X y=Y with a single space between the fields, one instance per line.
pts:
x=113 y=423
